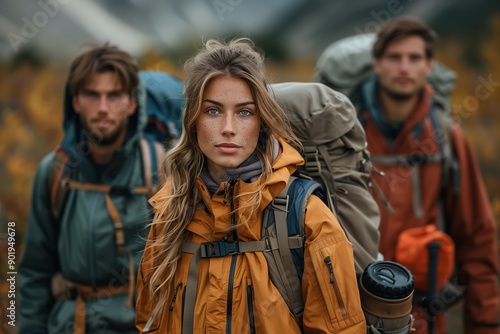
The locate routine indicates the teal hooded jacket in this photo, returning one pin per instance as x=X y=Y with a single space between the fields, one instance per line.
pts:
x=81 y=243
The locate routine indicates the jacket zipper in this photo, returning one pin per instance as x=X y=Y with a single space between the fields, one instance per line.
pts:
x=228 y=196
x=250 y=309
x=90 y=242
x=335 y=286
x=229 y=309
x=224 y=199
x=177 y=287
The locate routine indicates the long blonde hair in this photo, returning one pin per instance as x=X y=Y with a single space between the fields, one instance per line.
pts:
x=184 y=163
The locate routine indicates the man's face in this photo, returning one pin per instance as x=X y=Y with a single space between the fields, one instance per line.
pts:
x=104 y=108
x=403 y=67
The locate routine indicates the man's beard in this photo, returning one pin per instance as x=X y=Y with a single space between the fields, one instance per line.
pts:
x=398 y=96
x=98 y=138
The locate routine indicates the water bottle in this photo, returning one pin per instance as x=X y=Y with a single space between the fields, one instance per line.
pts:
x=386 y=290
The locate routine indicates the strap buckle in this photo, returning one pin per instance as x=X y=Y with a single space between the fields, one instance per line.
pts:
x=219 y=249
x=312 y=162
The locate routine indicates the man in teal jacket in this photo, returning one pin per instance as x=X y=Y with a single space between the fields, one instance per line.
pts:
x=77 y=271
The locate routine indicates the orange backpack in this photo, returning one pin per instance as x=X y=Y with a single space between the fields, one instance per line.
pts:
x=412 y=251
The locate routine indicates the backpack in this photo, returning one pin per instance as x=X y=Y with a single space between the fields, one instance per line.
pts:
x=345 y=65
x=162 y=95
x=337 y=169
x=335 y=154
x=164 y=101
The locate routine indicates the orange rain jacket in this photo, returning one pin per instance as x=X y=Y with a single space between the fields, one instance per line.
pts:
x=469 y=217
x=219 y=309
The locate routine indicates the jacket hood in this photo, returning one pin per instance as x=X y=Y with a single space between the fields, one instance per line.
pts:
x=249 y=171
x=284 y=166
x=249 y=227
x=371 y=104
x=73 y=129
x=285 y=163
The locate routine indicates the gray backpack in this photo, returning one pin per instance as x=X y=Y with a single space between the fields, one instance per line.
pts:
x=345 y=65
x=335 y=156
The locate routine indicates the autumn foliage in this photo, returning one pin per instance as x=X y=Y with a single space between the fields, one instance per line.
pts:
x=31 y=98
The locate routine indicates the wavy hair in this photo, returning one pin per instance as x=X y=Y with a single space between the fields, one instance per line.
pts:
x=183 y=164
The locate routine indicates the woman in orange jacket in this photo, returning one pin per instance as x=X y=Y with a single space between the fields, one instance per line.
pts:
x=234 y=157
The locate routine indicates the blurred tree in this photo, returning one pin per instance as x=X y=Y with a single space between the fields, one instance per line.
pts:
x=30 y=126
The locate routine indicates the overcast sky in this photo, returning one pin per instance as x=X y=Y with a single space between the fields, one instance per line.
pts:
x=58 y=28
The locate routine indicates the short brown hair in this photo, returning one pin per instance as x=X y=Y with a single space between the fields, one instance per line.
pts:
x=101 y=59
x=400 y=27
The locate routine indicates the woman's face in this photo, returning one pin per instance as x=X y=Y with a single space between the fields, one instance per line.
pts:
x=229 y=124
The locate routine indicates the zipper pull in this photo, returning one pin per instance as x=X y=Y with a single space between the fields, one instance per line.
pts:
x=330 y=268
x=177 y=287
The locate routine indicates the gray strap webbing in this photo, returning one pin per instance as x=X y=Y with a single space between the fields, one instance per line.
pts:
x=312 y=164
x=192 y=285
x=328 y=180
x=294 y=242
x=189 y=247
x=447 y=165
x=291 y=279
x=404 y=160
x=417 y=193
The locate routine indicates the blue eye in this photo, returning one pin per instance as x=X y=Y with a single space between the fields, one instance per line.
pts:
x=213 y=111
x=246 y=112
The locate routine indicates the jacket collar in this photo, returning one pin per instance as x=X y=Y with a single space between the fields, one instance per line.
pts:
x=414 y=122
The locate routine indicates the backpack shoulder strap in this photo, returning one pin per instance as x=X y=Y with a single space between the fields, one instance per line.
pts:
x=441 y=122
x=152 y=154
x=57 y=185
x=317 y=166
x=282 y=245
x=287 y=211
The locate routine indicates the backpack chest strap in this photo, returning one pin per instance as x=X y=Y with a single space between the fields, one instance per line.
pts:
x=67 y=182
x=407 y=160
x=112 y=210
x=224 y=248
x=413 y=162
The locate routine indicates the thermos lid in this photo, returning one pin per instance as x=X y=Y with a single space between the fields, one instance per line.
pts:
x=387 y=279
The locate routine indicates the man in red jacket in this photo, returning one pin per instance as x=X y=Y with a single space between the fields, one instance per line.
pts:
x=407 y=138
